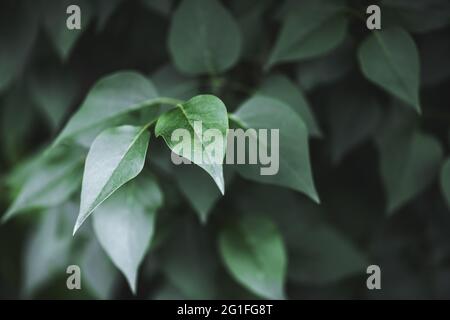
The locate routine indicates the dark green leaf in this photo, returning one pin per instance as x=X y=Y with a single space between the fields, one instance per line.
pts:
x=445 y=181
x=311 y=28
x=254 y=253
x=389 y=58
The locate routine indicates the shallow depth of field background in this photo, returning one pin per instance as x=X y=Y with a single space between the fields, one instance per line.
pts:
x=44 y=77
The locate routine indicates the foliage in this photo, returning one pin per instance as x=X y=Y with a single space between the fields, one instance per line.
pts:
x=86 y=123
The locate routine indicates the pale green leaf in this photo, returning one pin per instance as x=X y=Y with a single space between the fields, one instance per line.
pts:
x=202 y=112
x=46 y=252
x=116 y=156
x=254 y=253
x=111 y=98
x=203 y=37
x=98 y=273
x=390 y=59
x=124 y=224
x=294 y=164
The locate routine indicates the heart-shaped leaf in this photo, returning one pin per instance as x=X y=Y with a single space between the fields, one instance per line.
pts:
x=195 y=117
x=390 y=59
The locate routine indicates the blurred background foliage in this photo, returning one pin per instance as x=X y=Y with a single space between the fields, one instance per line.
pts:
x=378 y=165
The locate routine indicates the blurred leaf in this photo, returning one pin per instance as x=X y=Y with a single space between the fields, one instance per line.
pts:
x=161 y=6
x=97 y=271
x=17 y=119
x=208 y=111
x=294 y=166
x=51 y=183
x=170 y=83
x=54 y=90
x=111 y=98
x=418 y=16
x=321 y=255
x=54 y=18
x=46 y=253
x=18 y=31
x=281 y=88
x=389 y=58
x=311 y=28
x=124 y=224
x=198 y=188
x=434 y=53
x=353 y=118
x=254 y=253
x=409 y=162
x=189 y=261
x=116 y=156
x=327 y=69
x=445 y=181
x=204 y=37
x=104 y=9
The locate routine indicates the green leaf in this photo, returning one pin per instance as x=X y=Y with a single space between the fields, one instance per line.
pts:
x=55 y=179
x=18 y=31
x=281 y=88
x=254 y=253
x=420 y=16
x=170 y=83
x=116 y=156
x=98 y=273
x=326 y=70
x=189 y=261
x=294 y=165
x=124 y=224
x=54 y=17
x=16 y=131
x=161 y=6
x=207 y=111
x=54 y=90
x=409 y=162
x=111 y=98
x=104 y=10
x=445 y=181
x=46 y=252
x=390 y=59
x=204 y=37
x=353 y=118
x=311 y=28
x=320 y=255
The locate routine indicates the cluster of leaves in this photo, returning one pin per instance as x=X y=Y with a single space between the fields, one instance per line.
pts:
x=371 y=104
